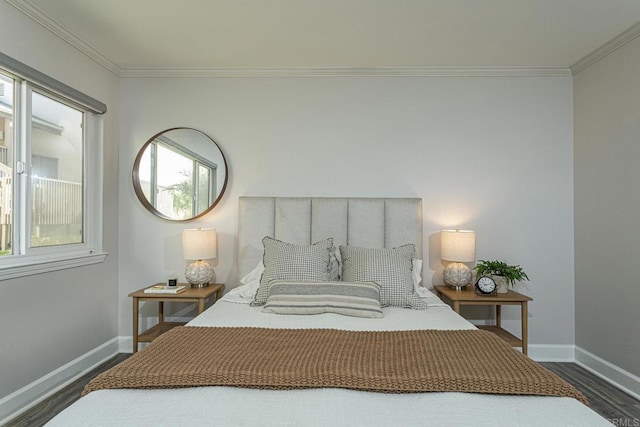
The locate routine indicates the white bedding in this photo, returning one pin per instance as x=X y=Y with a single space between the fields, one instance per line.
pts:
x=233 y=311
x=228 y=406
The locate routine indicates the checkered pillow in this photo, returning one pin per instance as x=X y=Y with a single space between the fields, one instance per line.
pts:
x=288 y=261
x=391 y=268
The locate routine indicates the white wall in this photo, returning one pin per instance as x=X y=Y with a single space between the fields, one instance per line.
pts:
x=50 y=319
x=491 y=154
x=607 y=202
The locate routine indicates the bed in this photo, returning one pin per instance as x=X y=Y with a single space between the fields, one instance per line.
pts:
x=366 y=223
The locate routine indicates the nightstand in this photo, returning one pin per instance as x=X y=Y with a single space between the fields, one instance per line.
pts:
x=458 y=298
x=194 y=295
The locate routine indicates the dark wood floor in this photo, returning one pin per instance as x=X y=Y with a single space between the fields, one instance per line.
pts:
x=40 y=414
x=614 y=405
x=618 y=407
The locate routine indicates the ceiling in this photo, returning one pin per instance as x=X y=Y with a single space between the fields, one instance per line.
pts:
x=129 y=35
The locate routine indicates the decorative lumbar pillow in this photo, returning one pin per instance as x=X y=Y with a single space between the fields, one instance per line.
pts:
x=391 y=268
x=288 y=261
x=359 y=299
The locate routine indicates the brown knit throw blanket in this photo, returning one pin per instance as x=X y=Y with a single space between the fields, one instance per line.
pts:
x=280 y=359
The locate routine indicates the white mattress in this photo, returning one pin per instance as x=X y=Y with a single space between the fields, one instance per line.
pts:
x=228 y=406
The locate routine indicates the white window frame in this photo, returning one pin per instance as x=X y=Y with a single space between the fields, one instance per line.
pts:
x=26 y=261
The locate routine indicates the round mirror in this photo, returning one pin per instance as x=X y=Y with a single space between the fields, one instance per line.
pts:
x=180 y=174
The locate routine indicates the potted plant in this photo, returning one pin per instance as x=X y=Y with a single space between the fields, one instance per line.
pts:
x=505 y=275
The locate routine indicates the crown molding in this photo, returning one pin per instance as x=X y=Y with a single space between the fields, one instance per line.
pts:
x=26 y=7
x=607 y=48
x=350 y=72
x=50 y=24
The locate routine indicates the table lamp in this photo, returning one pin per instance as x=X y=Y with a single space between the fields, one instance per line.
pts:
x=200 y=244
x=457 y=246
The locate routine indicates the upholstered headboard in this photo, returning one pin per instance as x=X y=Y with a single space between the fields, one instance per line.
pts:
x=365 y=222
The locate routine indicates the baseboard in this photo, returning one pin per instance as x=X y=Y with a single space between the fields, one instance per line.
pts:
x=125 y=344
x=614 y=375
x=30 y=395
x=551 y=352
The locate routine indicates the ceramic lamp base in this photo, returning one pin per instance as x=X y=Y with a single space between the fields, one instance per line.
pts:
x=199 y=274
x=457 y=275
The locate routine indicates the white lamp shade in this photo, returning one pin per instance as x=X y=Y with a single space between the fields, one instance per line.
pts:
x=458 y=245
x=199 y=243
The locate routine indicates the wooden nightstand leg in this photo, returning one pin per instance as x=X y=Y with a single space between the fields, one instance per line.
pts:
x=525 y=322
x=499 y=316
x=219 y=293
x=160 y=311
x=200 y=305
x=135 y=324
x=456 y=306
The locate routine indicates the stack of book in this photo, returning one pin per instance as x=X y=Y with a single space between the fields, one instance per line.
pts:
x=163 y=289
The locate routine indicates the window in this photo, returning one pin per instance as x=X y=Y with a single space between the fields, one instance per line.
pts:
x=50 y=179
x=179 y=183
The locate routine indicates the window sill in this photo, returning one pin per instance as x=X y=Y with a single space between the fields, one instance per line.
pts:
x=47 y=263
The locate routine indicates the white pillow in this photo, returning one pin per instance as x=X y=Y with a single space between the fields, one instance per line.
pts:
x=417 y=272
x=250 y=284
x=253 y=277
x=424 y=292
x=420 y=290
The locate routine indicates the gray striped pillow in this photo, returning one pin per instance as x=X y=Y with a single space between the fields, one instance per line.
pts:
x=361 y=299
x=391 y=268
x=288 y=261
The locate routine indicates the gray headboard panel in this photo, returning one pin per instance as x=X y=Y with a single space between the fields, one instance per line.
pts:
x=365 y=222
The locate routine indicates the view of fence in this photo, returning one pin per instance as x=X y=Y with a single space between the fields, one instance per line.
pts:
x=5 y=209
x=54 y=202
x=4 y=155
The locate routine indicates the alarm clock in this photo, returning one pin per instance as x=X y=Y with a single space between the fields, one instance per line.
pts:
x=486 y=286
x=172 y=281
